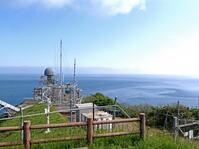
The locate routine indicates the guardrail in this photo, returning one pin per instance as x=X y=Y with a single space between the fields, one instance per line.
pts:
x=27 y=127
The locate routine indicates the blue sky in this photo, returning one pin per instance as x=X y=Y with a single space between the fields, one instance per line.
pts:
x=134 y=36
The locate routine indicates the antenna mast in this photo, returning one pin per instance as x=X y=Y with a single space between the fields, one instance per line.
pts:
x=61 y=74
x=74 y=76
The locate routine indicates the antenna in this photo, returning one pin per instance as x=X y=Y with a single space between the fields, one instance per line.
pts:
x=61 y=75
x=74 y=76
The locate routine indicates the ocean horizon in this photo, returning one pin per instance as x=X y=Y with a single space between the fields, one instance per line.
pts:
x=129 y=89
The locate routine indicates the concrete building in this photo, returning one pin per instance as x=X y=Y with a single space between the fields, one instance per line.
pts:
x=85 y=111
x=99 y=116
x=83 y=108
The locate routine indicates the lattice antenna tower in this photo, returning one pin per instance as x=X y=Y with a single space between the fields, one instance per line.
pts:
x=74 y=73
x=61 y=73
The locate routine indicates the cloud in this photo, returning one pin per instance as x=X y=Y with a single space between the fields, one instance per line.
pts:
x=178 y=56
x=105 y=7
x=57 y=3
x=42 y=3
x=114 y=7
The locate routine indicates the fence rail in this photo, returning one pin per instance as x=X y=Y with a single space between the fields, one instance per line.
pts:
x=27 y=127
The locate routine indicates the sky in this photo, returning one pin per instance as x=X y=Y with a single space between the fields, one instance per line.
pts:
x=131 y=36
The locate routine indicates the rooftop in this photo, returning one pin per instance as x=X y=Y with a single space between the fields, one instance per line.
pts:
x=98 y=114
x=85 y=105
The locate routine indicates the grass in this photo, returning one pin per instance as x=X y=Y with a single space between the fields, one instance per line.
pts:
x=40 y=133
x=158 y=141
x=162 y=141
x=41 y=119
x=155 y=139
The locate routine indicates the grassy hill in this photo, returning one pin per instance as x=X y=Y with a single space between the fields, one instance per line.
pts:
x=37 y=134
x=41 y=119
x=156 y=139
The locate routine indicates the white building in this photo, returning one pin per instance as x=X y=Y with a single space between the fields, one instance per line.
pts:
x=99 y=116
x=85 y=111
x=83 y=108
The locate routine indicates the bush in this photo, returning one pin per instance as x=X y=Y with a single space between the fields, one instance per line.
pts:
x=99 y=99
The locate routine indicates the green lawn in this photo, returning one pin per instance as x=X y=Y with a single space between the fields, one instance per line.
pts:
x=155 y=139
x=40 y=133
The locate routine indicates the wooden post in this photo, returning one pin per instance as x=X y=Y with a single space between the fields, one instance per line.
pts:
x=89 y=130
x=27 y=136
x=142 y=125
x=71 y=114
x=22 y=122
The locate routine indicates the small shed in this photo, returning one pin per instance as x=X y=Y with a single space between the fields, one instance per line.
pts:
x=99 y=116
x=83 y=108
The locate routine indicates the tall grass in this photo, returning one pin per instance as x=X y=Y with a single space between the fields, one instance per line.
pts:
x=162 y=141
x=155 y=139
x=158 y=141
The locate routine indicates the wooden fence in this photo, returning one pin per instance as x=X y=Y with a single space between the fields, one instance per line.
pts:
x=27 y=127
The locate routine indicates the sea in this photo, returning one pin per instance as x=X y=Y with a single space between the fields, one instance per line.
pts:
x=129 y=89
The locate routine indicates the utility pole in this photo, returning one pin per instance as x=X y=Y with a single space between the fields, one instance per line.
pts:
x=166 y=119
x=198 y=114
x=93 y=111
x=178 y=108
x=176 y=121
x=198 y=109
